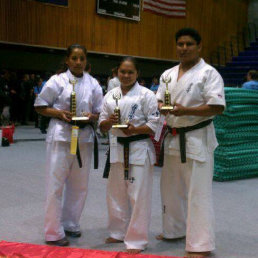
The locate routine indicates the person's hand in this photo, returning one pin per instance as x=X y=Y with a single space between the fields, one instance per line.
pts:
x=178 y=110
x=92 y=117
x=130 y=130
x=64 y=115
x=113 y=119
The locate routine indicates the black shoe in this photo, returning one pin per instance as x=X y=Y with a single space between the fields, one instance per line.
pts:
x=73 y=234
x=43 y=131
x=61 y=242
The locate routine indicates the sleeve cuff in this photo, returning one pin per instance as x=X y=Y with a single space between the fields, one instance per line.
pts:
x=40 y=102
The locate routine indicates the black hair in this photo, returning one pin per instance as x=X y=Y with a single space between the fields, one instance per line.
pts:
x=69 y=51
x=72 y=47
x=189 y=32
x=253 y=75
x=132 y=60
x=37 y=79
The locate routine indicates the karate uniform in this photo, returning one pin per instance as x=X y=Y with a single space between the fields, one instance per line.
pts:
x=113 y=83
x=139 y=106
x=63 y=172
x=186 y=188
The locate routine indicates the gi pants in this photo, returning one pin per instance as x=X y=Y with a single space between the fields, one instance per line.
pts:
x=129 y=203
x=186 y=193
x=67 y=187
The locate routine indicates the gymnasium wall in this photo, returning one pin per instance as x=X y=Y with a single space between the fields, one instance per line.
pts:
x=34 y=23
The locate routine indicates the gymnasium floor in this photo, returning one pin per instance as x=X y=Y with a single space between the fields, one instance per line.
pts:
x=22 y=205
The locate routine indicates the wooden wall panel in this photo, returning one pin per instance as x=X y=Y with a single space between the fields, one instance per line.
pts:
x=30 y=22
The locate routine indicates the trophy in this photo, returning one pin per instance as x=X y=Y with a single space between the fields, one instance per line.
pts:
x=116 y=97
x=75 y=128
x=73 y=104
x=167 y=106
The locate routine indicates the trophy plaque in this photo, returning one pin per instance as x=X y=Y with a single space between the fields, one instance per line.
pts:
x=116 y=97
x=167 y=105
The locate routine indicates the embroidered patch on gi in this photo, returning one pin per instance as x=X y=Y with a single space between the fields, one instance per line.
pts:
x=131 y=179
x=189 y=87
x=155 y=113
x=132 y=112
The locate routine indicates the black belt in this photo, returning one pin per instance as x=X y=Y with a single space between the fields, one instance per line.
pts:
x=126 y=142
x=181 y=131
x=82 y=125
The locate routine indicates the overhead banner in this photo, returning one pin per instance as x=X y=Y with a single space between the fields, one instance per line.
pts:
x=55 y=2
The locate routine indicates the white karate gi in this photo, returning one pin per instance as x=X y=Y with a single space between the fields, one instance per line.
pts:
x=139 y=106
x=113 y=83
x=62 y=167
x=186 y=188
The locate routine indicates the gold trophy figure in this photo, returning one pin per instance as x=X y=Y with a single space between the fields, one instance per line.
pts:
x=73 y=104
x=75 y=128
x=167 y=104
x=116 y=97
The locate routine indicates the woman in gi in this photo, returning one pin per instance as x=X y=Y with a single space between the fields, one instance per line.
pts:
x=129 y=223
x=63 y=172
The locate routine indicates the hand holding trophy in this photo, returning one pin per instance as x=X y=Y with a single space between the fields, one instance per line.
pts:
x=116 y=97
x=167 y=105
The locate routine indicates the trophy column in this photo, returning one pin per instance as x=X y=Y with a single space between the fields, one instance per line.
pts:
x=167 y=104
x=75 y=128
x=116 y=97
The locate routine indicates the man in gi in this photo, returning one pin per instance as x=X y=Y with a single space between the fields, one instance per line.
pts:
x=114 y=82
x=197 y=94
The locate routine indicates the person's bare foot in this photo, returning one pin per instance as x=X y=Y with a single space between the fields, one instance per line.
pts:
x=197 y=254
x=111 y=240
x=134 y=251
x=161 y=237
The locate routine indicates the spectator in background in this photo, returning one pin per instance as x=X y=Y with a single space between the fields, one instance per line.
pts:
x=114 y=82
x=142 y=83
x=14 y=97
x=40 y=121
x=25 y=96
x=4 y=97
x=252 y=80
x=155 y=85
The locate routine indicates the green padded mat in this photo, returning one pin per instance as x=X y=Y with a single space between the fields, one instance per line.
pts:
x=237 y=134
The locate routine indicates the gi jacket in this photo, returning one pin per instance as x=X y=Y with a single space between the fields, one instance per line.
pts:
x=139 y=107
x=56 y=93
x=200 y=85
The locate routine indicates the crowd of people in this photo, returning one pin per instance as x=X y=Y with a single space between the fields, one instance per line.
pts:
x=17 y=95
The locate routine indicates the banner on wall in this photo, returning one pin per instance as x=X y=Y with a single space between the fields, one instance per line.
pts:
x=55 y=2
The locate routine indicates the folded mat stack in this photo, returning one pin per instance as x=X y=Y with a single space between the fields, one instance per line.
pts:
x=237 y=134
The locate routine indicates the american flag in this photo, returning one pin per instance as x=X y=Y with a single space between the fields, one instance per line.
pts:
x=170 y=8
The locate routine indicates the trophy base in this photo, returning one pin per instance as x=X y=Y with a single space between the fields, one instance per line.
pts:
x=80 y=118
x=119 y=126
x=167 y=108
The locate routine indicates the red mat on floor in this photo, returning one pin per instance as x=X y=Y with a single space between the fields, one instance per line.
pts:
x=24 y=250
